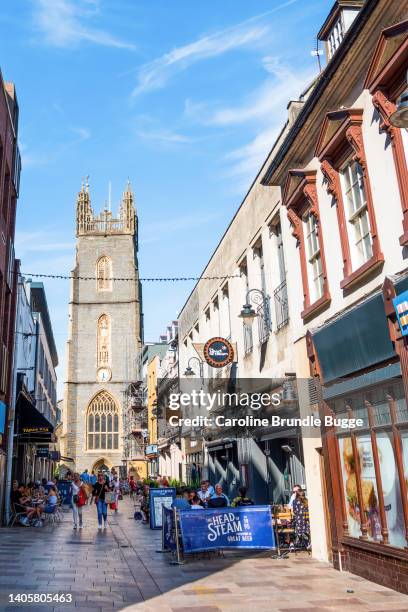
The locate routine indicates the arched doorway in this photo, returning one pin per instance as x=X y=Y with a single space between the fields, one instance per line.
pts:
x=100 y=466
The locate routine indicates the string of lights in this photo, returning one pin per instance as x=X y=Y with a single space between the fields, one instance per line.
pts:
x=152 y=279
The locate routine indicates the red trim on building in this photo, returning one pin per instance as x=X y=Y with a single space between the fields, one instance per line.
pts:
x=341 y=138
x=300 y=197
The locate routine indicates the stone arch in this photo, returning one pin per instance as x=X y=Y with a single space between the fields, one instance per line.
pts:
x=102 y=422
x=101 y=464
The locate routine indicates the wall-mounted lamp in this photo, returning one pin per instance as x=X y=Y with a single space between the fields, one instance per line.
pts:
x=189 y=370
x=261 y=300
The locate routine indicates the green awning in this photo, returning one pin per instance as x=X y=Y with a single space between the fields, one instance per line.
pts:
x=357 y=340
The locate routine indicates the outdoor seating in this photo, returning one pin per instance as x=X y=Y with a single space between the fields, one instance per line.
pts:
x=15 y=515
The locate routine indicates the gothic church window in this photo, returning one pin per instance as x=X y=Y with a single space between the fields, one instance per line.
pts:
x=103 y=423
x=104 y=274
x=103 y=350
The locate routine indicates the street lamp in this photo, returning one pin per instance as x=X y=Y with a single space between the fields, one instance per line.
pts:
x=400 y=117
x=260 y=299
x=189 y=370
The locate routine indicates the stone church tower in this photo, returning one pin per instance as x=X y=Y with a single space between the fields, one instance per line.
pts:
x=105 y=333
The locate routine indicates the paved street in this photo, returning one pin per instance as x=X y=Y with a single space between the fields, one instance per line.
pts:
x=120 y=568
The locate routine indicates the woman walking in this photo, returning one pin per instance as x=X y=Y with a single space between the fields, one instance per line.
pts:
x=301 y=520
x=117 y=491
x=79 y=497
x=99 y=491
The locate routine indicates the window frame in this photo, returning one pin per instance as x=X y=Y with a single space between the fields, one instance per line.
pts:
x=340 y=141
x=300 y=198
x=99 y=411
x=386 y=80
x=104 y=283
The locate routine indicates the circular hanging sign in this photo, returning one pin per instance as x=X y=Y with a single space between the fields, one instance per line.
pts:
x=218 y=352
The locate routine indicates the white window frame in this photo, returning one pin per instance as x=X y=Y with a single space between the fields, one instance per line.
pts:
x=313 y=257
x=356 y=213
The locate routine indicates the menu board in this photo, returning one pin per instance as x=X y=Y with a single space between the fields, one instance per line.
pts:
x=158 y=498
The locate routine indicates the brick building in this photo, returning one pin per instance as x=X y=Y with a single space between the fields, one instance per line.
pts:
x=10 y=166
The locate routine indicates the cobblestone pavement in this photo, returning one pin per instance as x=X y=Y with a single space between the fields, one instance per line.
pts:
x=120 y=569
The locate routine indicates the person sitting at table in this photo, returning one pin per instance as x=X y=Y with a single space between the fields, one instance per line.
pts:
x=44 y=484
x=219 y=499
x=203 y=493
x=182 y=503
x=18 y=497
x=145 y=500
x=242 y=499
x=48 y=507
x=196 y=503
x=210 y=488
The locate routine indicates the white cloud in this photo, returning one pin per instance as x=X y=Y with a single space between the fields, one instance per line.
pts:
x=265 y=109
x=55 y=151
x=248 y=33
x=155 y=74
x=39 y=242
x=164 y=136
x=62 y=24
x=83 y=133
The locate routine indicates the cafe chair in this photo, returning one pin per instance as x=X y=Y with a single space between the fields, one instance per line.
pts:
x=15 y=516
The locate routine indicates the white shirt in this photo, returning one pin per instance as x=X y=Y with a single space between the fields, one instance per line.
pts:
x=292 y=499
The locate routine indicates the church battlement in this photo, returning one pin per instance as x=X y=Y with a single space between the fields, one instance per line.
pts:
x=87 y=223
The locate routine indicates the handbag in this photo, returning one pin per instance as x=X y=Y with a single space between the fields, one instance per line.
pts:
x=75 y=499
x=109 y=498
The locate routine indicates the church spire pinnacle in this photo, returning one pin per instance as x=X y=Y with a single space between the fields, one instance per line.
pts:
x=84 y=213
x=127 y=208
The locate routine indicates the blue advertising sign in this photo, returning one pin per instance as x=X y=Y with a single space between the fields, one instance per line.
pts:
x=244 y=527
x=158 y=499
x=169 y=529
x=65 y=489
x=401 y=309
x=2 y=417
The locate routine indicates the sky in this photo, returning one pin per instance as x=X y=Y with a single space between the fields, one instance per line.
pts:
x=184 y=98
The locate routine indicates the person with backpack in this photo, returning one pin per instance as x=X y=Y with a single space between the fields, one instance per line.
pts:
x=79 y=499
x=242 y=499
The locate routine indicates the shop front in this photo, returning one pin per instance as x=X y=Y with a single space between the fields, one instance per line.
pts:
x=360 y=361
x=34 y=452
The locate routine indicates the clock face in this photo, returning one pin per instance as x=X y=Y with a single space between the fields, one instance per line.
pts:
x=104 y=374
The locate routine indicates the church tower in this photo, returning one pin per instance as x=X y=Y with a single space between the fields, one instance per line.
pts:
x=105 y=333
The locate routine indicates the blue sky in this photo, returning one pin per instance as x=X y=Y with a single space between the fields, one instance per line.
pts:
x=185 y=98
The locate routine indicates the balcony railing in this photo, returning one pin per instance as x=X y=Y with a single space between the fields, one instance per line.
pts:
x=264 y=320
x=280 y=296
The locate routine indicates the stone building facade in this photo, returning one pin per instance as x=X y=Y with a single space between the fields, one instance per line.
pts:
x=104 y=333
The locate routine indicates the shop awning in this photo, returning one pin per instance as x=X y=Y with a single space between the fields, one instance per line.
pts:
x=32 y=425
x=357 y=340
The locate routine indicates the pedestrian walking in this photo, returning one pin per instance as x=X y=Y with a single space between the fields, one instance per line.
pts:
x=78 y=500
x=116 y=490
x=301 y=520
x=99 y=491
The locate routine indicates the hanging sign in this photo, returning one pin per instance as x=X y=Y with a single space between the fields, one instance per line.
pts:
x=158 y=499
x=218 y=352
x=401 y=309
x=244 y=527
x=42 y=451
